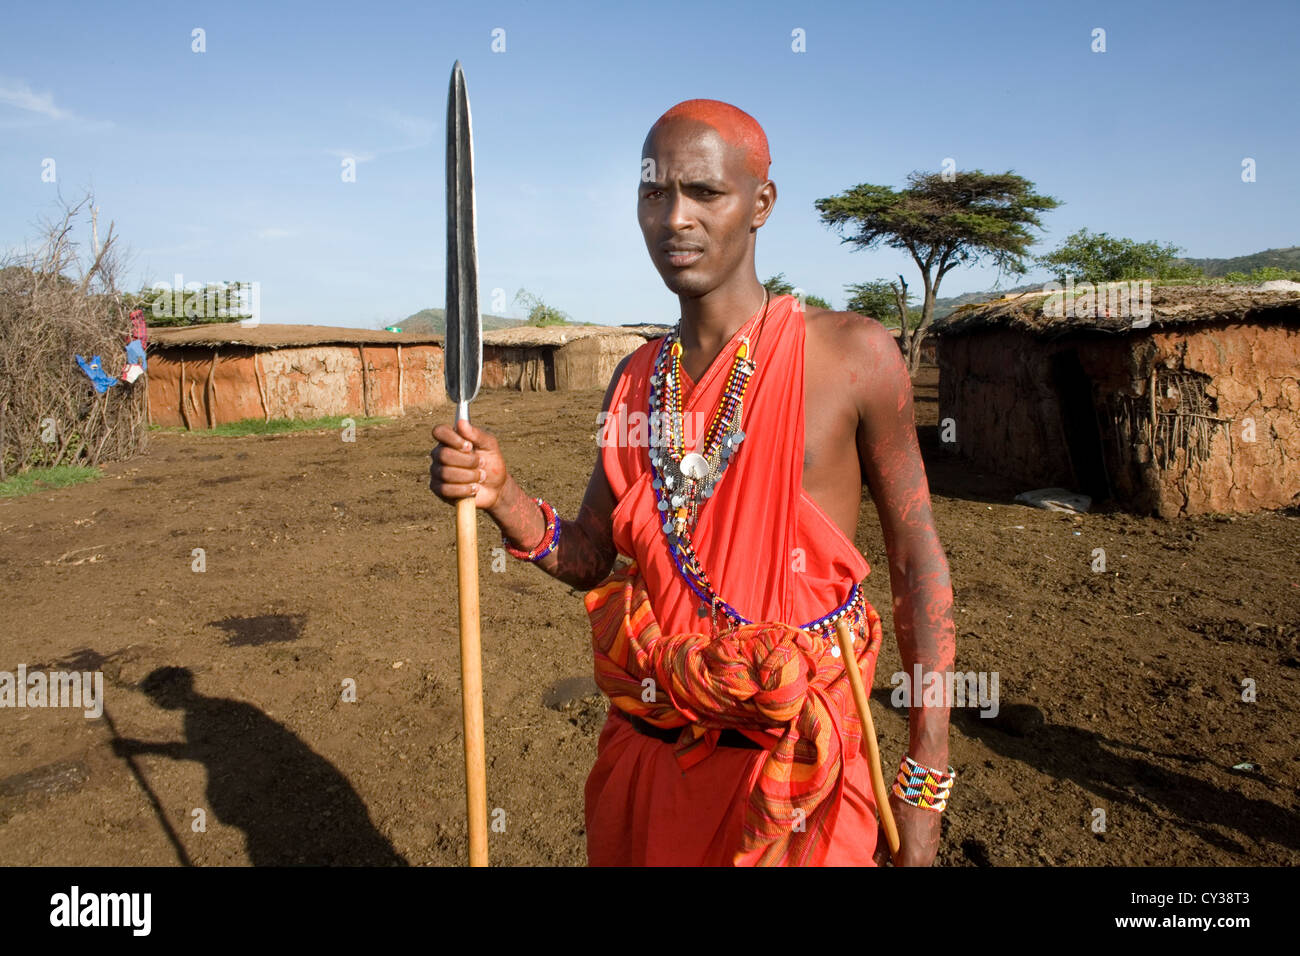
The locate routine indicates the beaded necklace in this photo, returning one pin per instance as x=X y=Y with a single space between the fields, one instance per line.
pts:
x=687 y=479
x=683 y=482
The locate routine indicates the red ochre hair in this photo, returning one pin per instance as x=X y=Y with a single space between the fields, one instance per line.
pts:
x=734 y=125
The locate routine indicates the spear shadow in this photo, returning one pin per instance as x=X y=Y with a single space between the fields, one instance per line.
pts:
x=148 y=791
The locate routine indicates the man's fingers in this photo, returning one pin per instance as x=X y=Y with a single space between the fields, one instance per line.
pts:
x=454 y=491
x=447 y=435
x=478 y=436
x=882 y=854
x=464 y=436
x=463 y=476
x=451 y=458
x=457 y=469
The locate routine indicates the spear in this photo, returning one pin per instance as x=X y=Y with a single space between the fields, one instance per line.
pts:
x=464 y=368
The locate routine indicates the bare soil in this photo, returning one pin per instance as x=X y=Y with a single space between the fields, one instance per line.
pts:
x=329 y=562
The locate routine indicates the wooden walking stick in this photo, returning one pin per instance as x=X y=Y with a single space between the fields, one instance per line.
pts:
x=869 y=737
x=464 y=368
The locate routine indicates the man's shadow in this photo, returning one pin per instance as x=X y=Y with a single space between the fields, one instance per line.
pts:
x=294 y=807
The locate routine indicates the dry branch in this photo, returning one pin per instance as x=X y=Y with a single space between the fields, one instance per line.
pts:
x=53 y=307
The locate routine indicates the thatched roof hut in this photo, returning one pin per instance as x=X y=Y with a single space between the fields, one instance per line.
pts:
x=1174 y=400
x=206 y=375
x=559 y=357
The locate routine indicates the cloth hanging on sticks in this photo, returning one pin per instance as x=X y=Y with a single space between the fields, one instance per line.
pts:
x=136 y=363
x=139 y=330
x=94 y=369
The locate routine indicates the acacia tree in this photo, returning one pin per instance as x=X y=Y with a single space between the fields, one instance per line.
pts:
x=214 y=303
x=942 y=220
x=539 y=313
x=879 y=300
x=1100 y=257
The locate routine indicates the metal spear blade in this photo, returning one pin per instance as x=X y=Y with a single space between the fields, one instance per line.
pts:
x=464 y=346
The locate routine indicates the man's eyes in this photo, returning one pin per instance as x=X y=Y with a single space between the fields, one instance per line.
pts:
x=700 y=191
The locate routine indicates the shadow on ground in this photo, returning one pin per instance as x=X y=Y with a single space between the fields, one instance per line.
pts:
x=294 y=807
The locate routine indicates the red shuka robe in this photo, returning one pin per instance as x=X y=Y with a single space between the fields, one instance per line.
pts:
x=774 y=555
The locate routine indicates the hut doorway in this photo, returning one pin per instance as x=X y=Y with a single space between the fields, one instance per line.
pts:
x=1074 y=394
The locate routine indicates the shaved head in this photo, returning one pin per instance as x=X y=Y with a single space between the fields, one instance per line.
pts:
x=703 y=193
x=736 y=127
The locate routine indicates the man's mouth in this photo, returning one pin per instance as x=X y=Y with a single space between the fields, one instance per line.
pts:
x=683 y=257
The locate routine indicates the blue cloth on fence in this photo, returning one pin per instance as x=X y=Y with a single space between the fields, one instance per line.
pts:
x=135 y=354
x=95 y=371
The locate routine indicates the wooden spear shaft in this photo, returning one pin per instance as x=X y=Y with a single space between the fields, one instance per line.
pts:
x=868 y=736
x=471 y=679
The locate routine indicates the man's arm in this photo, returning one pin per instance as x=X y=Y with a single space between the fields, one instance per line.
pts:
x=132 y=748
x=469 y=462
x=918 y=569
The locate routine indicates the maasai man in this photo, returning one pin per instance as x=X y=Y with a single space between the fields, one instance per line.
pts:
x=730 y=472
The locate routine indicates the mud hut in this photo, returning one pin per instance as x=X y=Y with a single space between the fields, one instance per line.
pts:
x=559 y=357
x=206 y=375
x=1185 y=403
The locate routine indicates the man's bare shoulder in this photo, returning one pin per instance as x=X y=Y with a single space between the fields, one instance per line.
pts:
x=856 y=350
x=849 y=336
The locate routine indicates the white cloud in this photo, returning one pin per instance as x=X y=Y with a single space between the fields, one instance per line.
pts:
x=25 y=98
x=20 y=96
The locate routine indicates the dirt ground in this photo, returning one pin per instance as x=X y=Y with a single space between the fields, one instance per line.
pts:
x=330 y=562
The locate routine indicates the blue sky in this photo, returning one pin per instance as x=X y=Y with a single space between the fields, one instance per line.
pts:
x=226 y=164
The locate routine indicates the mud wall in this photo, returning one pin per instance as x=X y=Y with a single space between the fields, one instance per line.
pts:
x=303 y=382
x=590 y=362
x=525 y=369
x=587 y=362
x=202 y=387
x=1190 y=422
x=997 y=402
x=1209 y=420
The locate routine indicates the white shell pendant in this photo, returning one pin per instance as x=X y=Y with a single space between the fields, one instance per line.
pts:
x=695 y=466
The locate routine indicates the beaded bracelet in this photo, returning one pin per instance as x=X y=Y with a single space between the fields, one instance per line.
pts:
x=549 y=540
x=923 y=786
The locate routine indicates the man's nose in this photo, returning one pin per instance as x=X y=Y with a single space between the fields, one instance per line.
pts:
x=678 y=213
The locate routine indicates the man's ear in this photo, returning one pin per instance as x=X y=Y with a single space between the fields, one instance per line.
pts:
x=764 y=201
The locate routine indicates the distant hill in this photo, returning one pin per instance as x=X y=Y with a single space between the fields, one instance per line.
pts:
x=1288 y=258
x=434 y=322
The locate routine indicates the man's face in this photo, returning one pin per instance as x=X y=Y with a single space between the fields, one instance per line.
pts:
x=697 y=205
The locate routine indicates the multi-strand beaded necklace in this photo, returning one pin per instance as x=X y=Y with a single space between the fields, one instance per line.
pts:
x=687 y=479
x=684 y=481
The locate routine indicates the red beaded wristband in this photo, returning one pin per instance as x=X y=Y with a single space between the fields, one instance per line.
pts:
x=549 y=540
